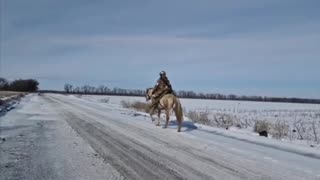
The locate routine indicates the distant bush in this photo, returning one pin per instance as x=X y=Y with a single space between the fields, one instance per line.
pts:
x=260 y=126
x=193 y=115
x=105 y=100
x=223 y=120
x=29 y=85
x=218 y=120
x=280 y=129
x=125 y=104
x=4 y=84
x=199 y=117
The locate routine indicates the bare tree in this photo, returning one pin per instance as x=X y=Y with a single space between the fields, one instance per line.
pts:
x=4 y=84
x=300 y=128
x=314 y=130
x=68 y=88
x=280 y=129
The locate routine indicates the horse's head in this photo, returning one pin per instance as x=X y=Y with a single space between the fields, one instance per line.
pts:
x=149 y=93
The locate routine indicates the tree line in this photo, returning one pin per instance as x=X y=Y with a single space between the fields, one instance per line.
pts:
x=22 y=85
x=101 y=90
x=104 y=90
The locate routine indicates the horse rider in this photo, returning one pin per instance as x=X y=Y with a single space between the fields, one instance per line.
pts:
x=162 y=88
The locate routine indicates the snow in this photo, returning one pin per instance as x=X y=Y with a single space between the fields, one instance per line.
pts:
x=241 y=111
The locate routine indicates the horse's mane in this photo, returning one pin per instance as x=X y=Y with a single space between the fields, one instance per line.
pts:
x=148 y=89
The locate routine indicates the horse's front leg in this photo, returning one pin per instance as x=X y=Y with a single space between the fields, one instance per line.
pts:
x=152 y=119
x=151 y=115
x=159 y=113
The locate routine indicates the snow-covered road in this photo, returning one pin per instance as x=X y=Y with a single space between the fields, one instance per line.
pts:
x=126 y=145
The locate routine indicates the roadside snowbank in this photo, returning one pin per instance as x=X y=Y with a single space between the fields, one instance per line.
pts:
x=263 y=141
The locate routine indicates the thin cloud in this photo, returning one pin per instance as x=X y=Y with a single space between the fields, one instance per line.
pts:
x=247 y=47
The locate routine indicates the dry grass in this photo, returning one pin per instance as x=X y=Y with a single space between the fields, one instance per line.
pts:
x=4 y=94
x=14 y=95
x=105 y=100
x=137 y=105
x=217 y=120
x=9 y=93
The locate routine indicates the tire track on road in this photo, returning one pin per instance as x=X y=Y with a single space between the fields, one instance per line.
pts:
x=131 y=158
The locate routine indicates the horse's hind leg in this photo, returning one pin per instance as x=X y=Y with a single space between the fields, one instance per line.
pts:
x=167 y=118
x=179 y=125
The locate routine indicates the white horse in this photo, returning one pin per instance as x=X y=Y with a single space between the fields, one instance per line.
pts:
x=167 y=102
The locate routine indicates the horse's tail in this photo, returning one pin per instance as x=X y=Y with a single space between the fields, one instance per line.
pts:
x=178 y=110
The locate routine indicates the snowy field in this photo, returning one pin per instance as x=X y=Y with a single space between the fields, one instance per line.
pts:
x=217 y=105
x=298 y=123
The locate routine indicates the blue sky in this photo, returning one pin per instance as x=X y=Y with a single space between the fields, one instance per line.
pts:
x=245 y=47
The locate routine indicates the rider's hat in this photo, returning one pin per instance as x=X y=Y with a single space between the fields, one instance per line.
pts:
x=162 y=73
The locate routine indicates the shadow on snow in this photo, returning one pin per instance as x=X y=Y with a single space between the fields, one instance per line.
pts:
x=186 y=126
